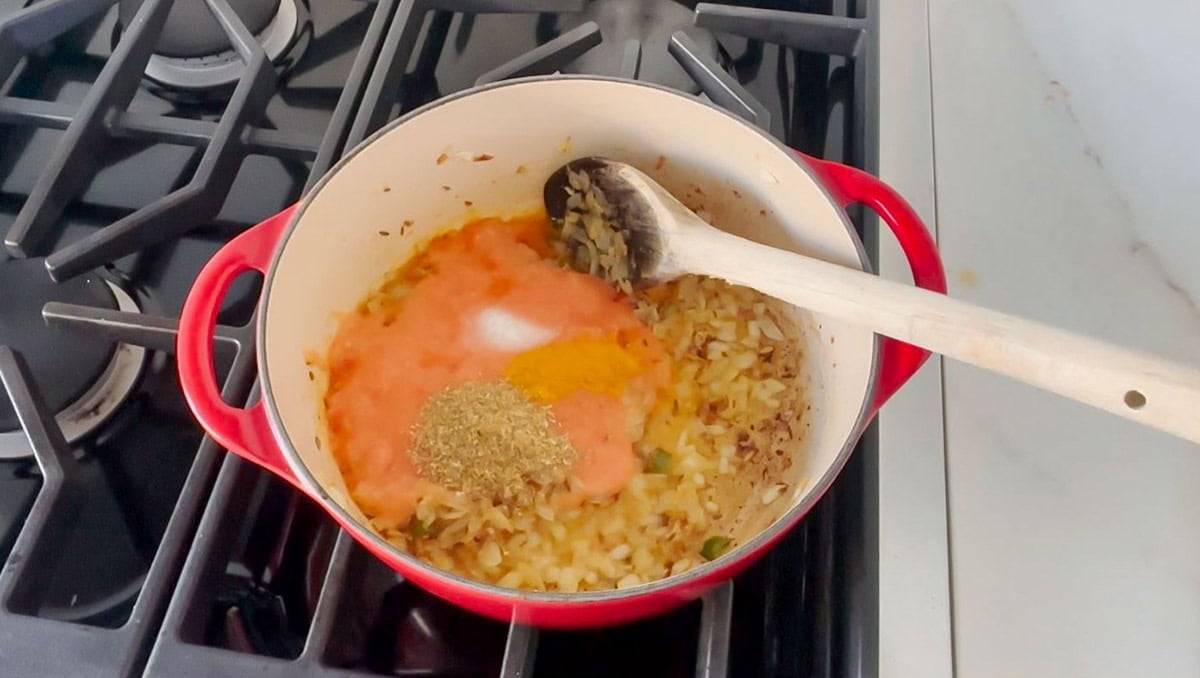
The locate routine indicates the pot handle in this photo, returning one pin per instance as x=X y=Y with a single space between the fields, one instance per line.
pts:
x=848 y=185
x=243 y=431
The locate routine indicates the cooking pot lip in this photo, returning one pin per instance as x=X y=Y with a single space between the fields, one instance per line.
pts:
x=767 y=536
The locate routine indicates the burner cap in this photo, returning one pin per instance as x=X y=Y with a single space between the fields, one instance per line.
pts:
x=191 y=29
x=194 y=57
x=64 y=364
x=652 y=23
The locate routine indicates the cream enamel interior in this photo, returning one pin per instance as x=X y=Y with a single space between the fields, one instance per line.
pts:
x=488 y=153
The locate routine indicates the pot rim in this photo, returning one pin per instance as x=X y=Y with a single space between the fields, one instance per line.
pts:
x=752 y=546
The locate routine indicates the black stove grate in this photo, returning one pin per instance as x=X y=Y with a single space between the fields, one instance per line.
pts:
x=35 y=645
x=249 y=578
x=85 y=141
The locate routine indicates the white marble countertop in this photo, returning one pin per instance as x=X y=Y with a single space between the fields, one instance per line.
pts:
x=1022 y=534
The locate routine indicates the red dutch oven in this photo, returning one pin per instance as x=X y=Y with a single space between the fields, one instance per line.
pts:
x=486 y=152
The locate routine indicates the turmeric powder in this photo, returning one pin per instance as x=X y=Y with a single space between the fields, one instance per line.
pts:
x=554 y=371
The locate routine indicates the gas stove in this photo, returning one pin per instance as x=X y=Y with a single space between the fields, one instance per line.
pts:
x=136 y=137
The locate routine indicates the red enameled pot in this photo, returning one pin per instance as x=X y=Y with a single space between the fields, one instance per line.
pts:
x=486 y=152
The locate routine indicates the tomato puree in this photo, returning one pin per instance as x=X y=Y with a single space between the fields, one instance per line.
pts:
x=472 y=301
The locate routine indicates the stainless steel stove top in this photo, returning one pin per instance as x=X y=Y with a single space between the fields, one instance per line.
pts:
x=130 y=150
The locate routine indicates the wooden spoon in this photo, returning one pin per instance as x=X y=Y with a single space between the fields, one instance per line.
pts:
x=652 y=237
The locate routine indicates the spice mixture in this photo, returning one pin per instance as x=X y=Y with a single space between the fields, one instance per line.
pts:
x=555 y=371
x=481 y=304
x=488 y=439
x=681 y=406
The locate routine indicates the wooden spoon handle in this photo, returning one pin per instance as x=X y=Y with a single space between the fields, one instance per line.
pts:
x=1141 y=388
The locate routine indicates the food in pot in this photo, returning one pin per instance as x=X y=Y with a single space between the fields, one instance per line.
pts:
x=514 y=421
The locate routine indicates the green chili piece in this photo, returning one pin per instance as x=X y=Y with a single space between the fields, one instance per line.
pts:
x=659 y=462
x=714 y=547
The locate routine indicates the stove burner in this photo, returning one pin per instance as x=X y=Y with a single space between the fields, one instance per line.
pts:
x=651 y=23
x=82 y=379
x=194 y=54
x=63 y=364
x=192 y=31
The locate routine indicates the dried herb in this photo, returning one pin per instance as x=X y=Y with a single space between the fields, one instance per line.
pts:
x=489 y=439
